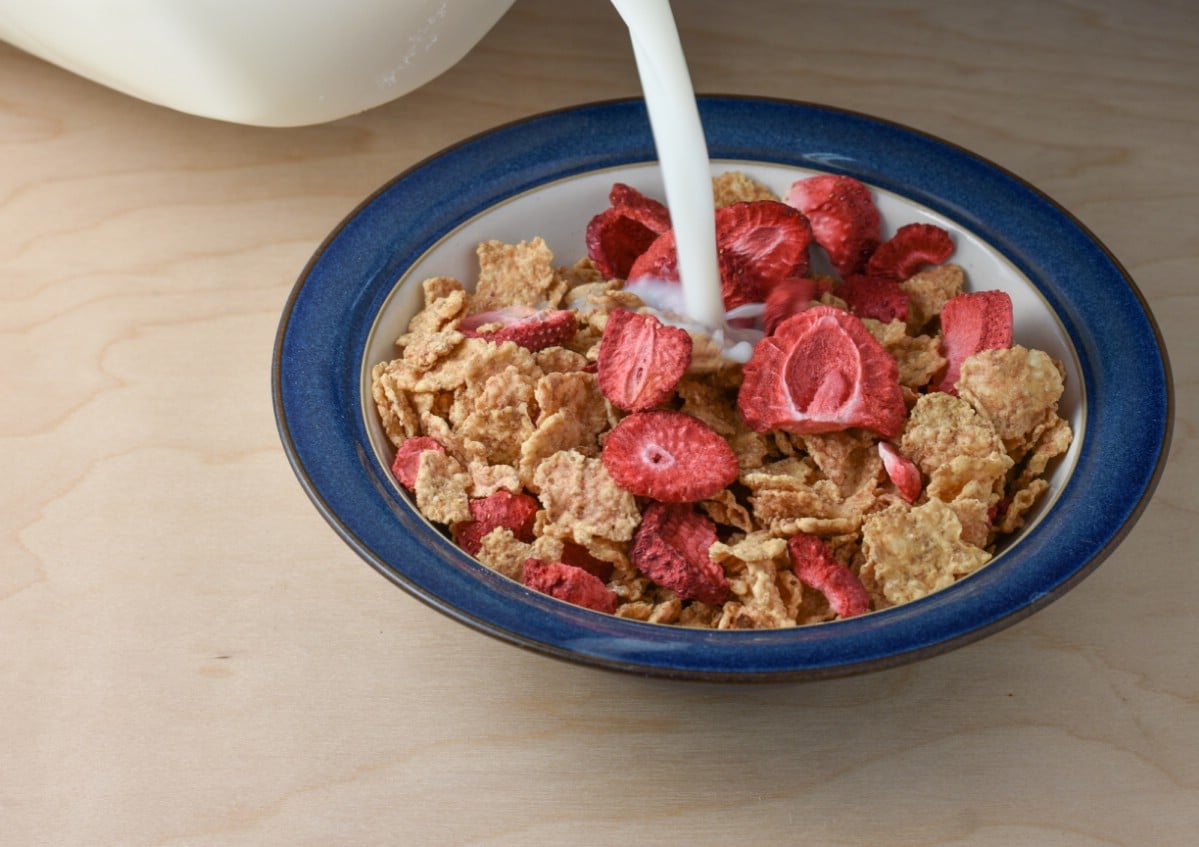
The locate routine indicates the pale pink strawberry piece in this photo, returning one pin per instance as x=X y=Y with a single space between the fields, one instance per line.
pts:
x=822 y=371
x=816 y=566
x=758 y=244
x=971 y=323
x=407 y=460
x=671 y=547
x=668 y=456
x=533 y=329
x=569 y=583
x=622 y=232
x=874 y=297
x=845 y=220
x=901 y=470
x=641 y=360
x=912 y=247
x=503 y=508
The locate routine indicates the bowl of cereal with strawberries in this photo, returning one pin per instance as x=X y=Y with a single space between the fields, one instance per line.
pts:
x=937 y=402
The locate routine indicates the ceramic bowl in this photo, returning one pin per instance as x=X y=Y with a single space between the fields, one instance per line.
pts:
x=547 y=176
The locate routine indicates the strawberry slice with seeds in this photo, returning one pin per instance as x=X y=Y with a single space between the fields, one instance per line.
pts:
x=822 y=371
x=911 y=247
x=407 y=460
x=845 y=220
x=758 y=244
x=668 y=456
x=622 y=232
x=503 y=508
x=533 y=329
x=790 y=297
x=874 y=297
x=901 y=470
x=641 y=360
x=971 y=323
x=671 y=547
x=569 y=583
x=816 y=567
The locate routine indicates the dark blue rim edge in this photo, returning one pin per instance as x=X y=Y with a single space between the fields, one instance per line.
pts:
x=916 y=648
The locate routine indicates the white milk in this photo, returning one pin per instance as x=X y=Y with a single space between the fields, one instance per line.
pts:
x=682 y=155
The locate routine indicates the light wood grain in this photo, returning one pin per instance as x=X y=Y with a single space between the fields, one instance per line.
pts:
x=191 y=657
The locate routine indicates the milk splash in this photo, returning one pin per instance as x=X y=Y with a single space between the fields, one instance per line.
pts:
x=686 y=175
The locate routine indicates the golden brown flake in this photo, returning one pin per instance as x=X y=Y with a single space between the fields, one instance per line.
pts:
x=582 y=502
x=738 y=187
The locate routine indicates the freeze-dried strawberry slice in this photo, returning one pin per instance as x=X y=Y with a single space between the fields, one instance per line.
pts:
x=845 y=220
x=816 y=567
x=822 y=371
x=971 y=323
x=622 y=232
x=876 y=297
x=668 y=456
x=912 y=247
x=577 y=555
x=503 y=508
x=407 y=460
x=641 y=360
x=569 y=583
x=533 y=329
x=671 y=547
x=901 y=470
x=758 y=244
x=790 y=297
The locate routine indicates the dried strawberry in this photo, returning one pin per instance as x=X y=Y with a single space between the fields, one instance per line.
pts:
x=790 y=297
x=816 y=567
x=668 y=456
x=641 y=360
x=845 y=221
x=622 y=232
x=822 y=371
x=407 y=460
x=533 y=329
x=569 y=583
x=503 y=508
x=901 y=470
x=671 y=548
x=758 y=244
x=874 y=297
x=971 y=323
x=909 y=249
x=645 y=210
x=577 y=555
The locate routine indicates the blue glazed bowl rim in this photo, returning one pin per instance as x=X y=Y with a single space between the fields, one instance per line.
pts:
x=328 y=317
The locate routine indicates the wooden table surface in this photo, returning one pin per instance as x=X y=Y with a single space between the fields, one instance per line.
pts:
x=191 y=656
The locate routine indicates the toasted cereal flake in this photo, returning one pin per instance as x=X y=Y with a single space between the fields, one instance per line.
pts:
x=582 y=272
x=1052 y=441
x=942 y=427
x=504 y=553
x=724 y=509
x=516 y=275
x=914 y=551
x=572 y=415
x=929 y=290
x=974 y=516
x=445 y=301
x=399 y=419
x=738 y=187
x=919 y=356
x=559 y=360
x=849 y=458
x=1021 y=502
x=757 y=546
x=486 y=479
x=582 y=503
x=759 y=603
x=441 y=488
x=1017 y=389
x=972 y=477
x=424 y=353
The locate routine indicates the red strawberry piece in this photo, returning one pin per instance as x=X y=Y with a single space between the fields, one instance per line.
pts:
x=971 y=323
x=569 y=583
x=668 y=456
x=407 y=460
x=816 y=567
x=822 y=371
x=901 y=470
x=912 y=247
x=758 y=244
x=641 y=360
x=876 y=297
x=503 y=508
x=845 y=221
x=622 y=232
x=790 y=297
x=671 y=548
x=577 y=555
x=533 y=329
